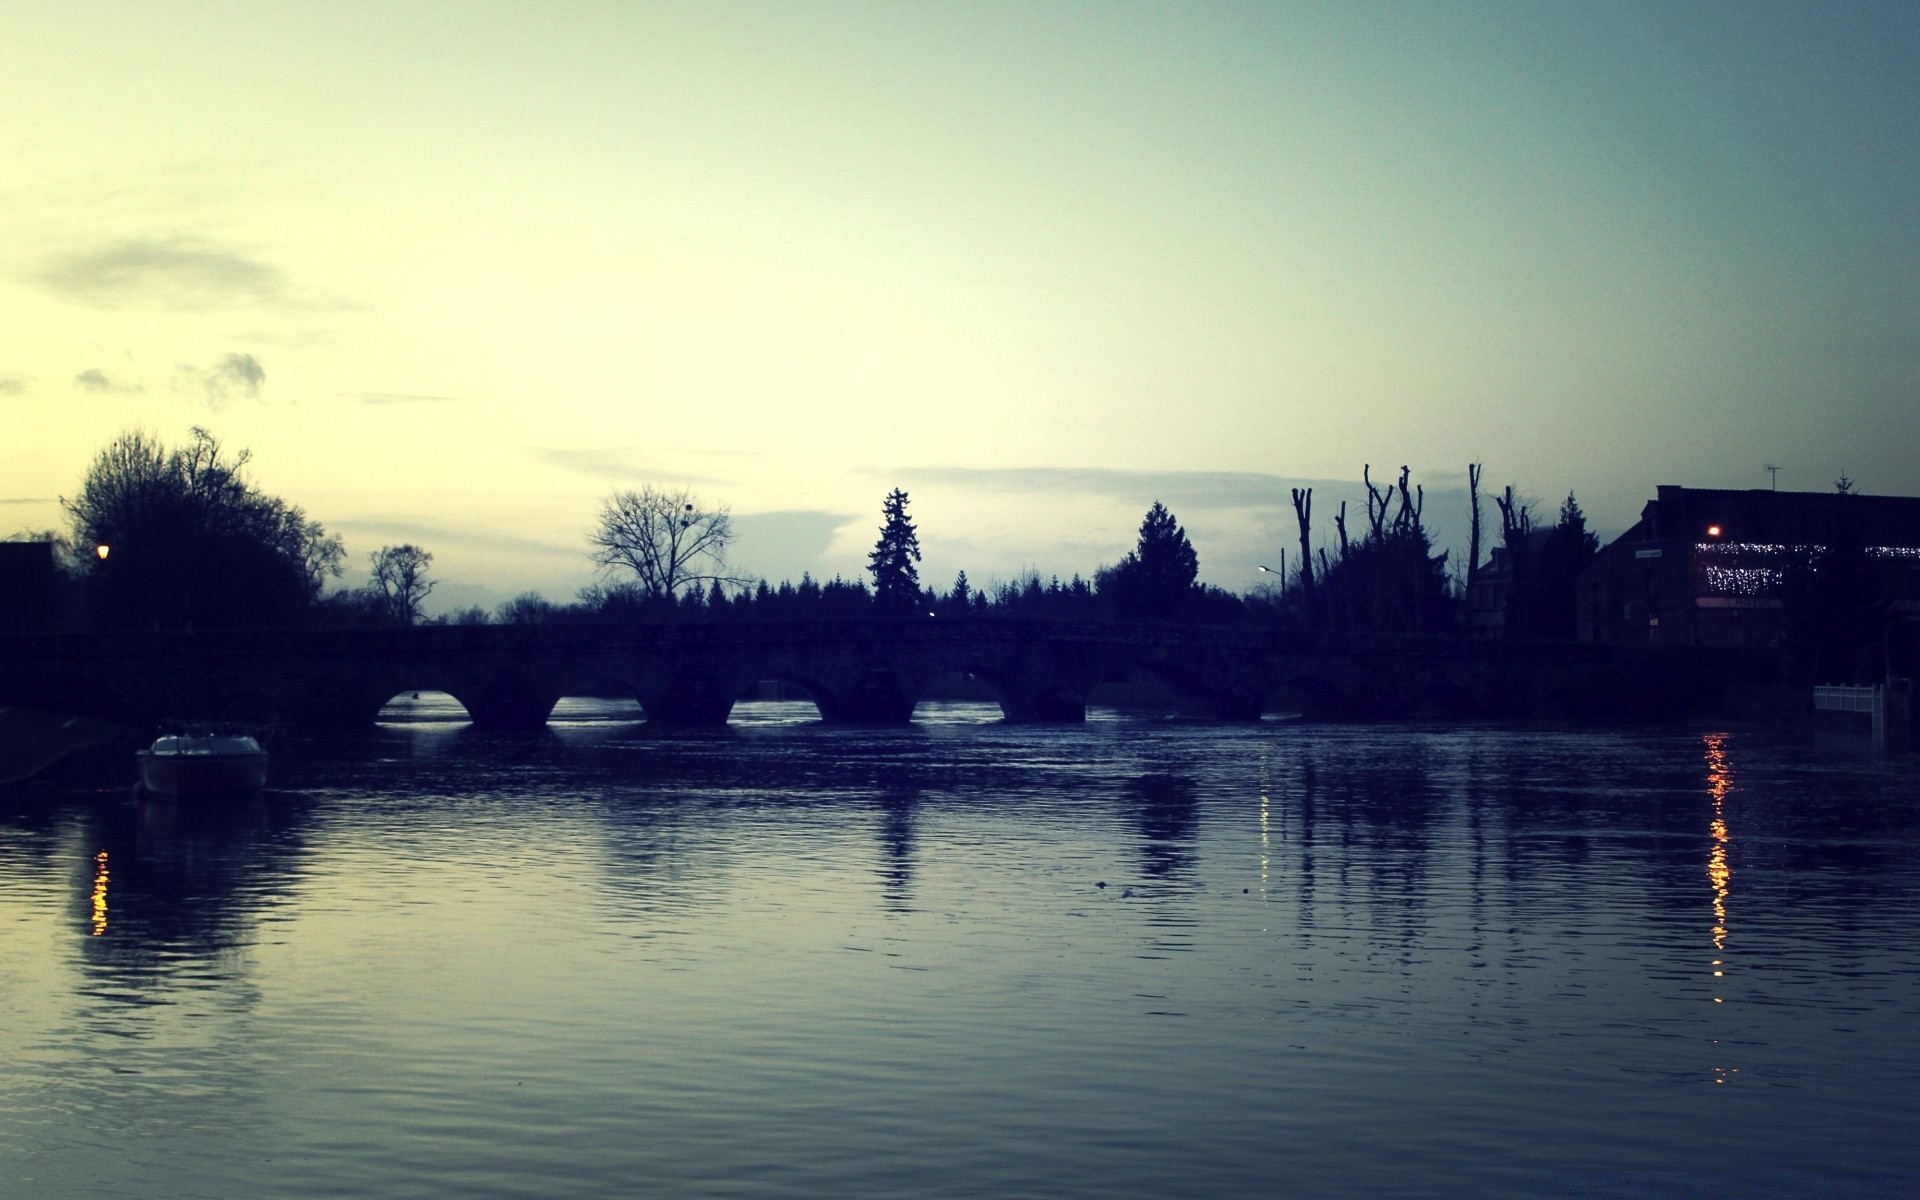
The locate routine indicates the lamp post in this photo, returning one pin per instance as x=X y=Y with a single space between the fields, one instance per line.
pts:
x=1282 y=572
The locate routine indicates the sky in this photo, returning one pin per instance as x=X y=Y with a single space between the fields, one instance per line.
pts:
x=455 y=272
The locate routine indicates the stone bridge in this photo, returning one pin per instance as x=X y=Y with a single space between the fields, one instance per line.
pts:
x=857 y=671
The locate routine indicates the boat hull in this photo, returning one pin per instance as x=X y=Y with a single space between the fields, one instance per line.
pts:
x=189 y=776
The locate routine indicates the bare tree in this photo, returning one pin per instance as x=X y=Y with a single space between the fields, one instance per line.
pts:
x=1473 y=525
x=668 y=539
x=400 y=576
x=1303 y=512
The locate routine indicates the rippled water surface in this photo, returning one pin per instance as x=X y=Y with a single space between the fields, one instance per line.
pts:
x=1134 y=958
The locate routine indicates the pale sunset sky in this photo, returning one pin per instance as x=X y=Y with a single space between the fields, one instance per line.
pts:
x=453 y=272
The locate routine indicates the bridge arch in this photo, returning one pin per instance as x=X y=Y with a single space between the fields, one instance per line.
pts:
x=809 y=687
x=1312 y=696
x=410 y=705
x=1030 y=698
x=1196 y=696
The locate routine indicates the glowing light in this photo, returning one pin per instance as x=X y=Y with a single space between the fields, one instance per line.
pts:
x=1743 y=581
x=100 y=551
x=1719 y=870
x=1713 y=531
x=100 y=884
x=1266 y=842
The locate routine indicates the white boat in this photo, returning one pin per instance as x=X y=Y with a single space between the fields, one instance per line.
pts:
x=203 y=765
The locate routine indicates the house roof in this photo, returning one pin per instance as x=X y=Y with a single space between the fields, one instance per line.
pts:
x=1777 y=518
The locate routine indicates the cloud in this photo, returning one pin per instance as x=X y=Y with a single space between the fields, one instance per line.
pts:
x=379 y=527
x=396 y=398
x=622 y=465
x=240 y=373
x=12 y=385
x=1234 y=515
x=26 y=499
x=96 y=380
x=184 y=274
x=1204 y=489
x=785 y=544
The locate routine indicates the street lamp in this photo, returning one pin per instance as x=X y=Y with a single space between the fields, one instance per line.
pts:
x=100 y=552
x=1282 y=572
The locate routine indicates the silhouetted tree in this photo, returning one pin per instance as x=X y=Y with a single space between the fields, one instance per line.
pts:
x=1156 y=578
x=185 y=540
x=1551 y=592
x=896 y=578
x=666 y=538
x=1516 y=538
x=1303 y=512
x=1473 y=524
x=959 y=601
x=1390 y=580
x=400 y=577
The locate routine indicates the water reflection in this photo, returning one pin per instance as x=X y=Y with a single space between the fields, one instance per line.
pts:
x=1266 y=838
x=899 y=812
x=100 y=878
x=824 y=947
x=177 y=884
x=1719 y=873
x=1166 y=812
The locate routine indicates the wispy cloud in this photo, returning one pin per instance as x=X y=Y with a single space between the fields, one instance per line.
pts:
x=186 y=274
x=1207 y=489
x=626 y=466
x=383 y=528
x=12 y=385
x=26 y=499
x=96 y=380
x=396 y=398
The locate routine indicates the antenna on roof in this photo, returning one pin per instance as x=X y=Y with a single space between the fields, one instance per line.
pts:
x=1773 y=474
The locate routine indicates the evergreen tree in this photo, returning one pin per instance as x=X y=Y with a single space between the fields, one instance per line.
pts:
x=1157 y=577
x=1553 y=595
x=960 y=600
x=896 y=580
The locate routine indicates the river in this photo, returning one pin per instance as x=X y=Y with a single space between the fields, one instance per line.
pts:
x=1139 y=957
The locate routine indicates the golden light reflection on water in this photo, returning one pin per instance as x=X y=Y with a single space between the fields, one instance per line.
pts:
x=99 y=893
x=1719 y=873
x=1719 y=783
x=1266 y=844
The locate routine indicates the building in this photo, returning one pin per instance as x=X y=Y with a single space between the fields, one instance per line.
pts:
x=1489 y=596
x=1707 y=566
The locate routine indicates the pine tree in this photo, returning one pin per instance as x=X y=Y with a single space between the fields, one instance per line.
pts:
x=1157 y=577
x=1553 y=592
x=896 y=580
x=960 y=600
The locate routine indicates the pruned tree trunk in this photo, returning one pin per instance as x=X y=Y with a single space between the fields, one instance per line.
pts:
x=1303 y=510
x=1473 y=524
x=1515 y=524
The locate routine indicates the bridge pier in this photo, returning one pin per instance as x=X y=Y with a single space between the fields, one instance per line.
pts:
x=872 y=696
x=685 y=703
x=1053 y=706
x=508 y=703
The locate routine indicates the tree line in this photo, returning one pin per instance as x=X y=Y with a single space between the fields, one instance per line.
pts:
x=178 y=537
